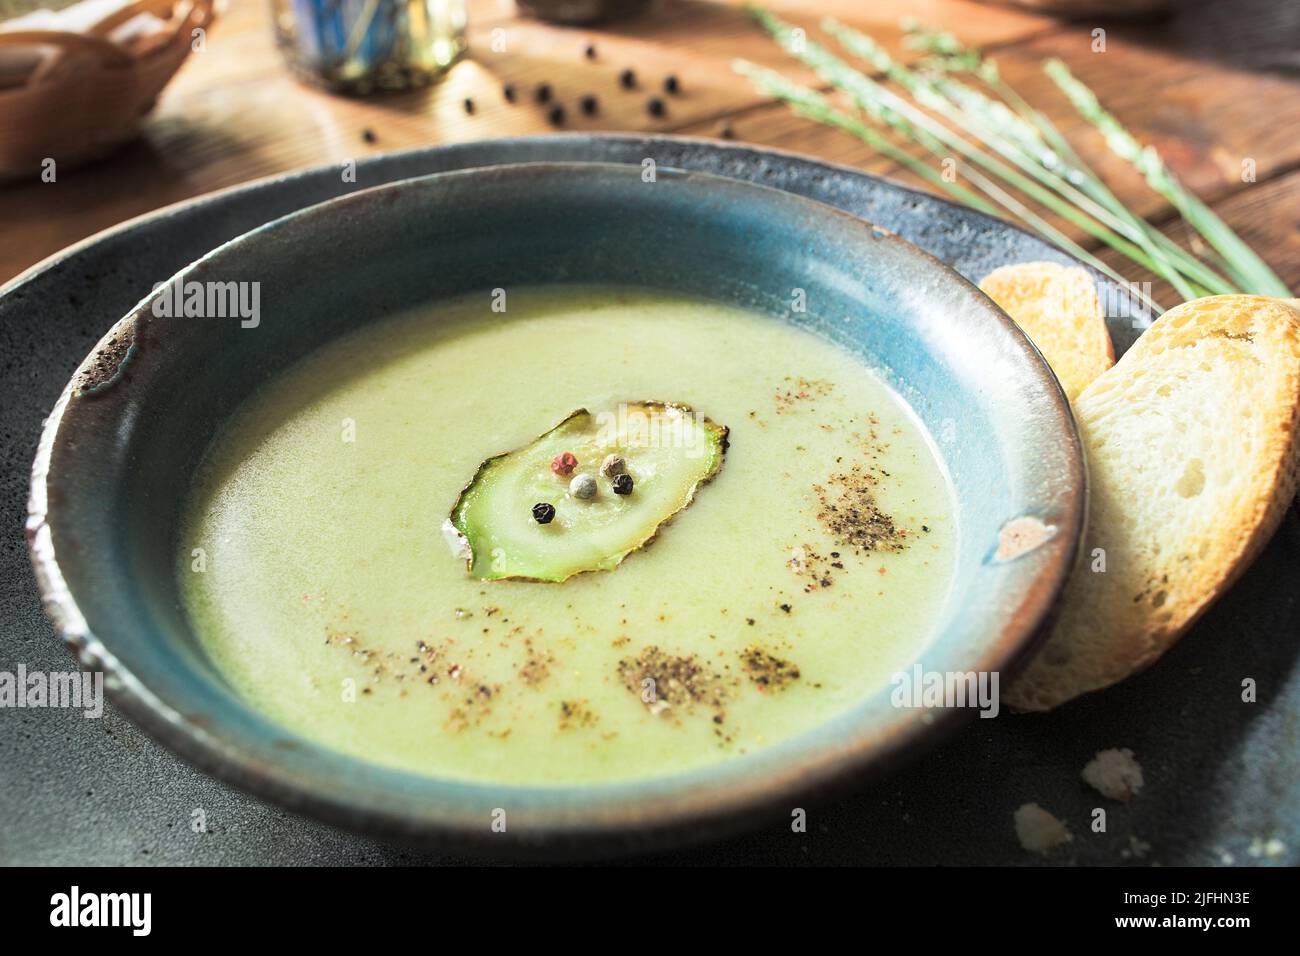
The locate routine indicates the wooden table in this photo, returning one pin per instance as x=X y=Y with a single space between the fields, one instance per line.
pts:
x=1213 y=87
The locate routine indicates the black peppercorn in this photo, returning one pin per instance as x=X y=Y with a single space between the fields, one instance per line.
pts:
x=623 y=484
x=590 y=51
x=671 y=85
x=469 y=106
x=508 y=91
x=543 y=512
x=368 y=135
x=589 y=104
x=543 y=93
x=556 y=116
x=627 y=80
x=655 y=107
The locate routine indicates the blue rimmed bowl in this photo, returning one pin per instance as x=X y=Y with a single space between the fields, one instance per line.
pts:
x=125 y=437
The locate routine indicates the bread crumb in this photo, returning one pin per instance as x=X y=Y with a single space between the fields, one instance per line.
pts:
x=1272 y=847
x=1114 y=774
x=1038 y=831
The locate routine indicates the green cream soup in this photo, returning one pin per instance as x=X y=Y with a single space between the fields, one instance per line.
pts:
x=810 y=569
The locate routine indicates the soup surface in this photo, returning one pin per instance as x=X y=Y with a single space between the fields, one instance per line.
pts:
x=802 y=577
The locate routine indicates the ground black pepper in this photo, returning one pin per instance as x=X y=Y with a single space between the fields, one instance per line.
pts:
x=678 y=682
x=852 y=515
x=767 y=670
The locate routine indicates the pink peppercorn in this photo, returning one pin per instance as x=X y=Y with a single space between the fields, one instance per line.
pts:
x=564 y=463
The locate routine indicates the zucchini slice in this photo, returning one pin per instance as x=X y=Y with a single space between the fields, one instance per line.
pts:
x=668 y=450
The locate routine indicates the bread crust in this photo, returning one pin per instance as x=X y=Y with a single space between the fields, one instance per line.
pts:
x=1058 y=308
x=1104 y=633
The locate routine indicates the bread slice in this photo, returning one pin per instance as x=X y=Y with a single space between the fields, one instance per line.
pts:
x=1193 y=453
x=1058 y=308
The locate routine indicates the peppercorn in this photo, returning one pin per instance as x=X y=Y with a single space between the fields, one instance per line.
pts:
x=589 y=104
x=543 y=512
x=508 y=91
x=583 y=486
x=543 y=93
x=556 y=116
x=564 y=463
x=627 y=80
x=368 y=135
x=612 y=465
x=590 y=51
x=623 y=484
x=655 y=106
x=726 y=132
x=469 y=106
x=672 y=85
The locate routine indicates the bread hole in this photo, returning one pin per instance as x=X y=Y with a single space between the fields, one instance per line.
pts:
x=1192 y=481
x=1159 y=598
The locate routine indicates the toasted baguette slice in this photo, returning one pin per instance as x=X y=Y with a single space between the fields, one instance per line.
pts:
x=1193 y=456
x=1057 y=307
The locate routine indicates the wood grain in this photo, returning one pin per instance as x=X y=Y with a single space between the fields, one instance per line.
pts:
x=235 y=113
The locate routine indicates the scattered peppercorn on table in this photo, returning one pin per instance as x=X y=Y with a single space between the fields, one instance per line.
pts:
x=1209 y=86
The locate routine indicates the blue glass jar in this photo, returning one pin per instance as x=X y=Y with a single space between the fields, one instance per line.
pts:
x=364 y=46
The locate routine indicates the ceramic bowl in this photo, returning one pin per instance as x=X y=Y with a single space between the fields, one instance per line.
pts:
x=129 y=430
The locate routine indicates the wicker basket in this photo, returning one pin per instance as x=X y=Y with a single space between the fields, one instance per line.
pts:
x=84 y=94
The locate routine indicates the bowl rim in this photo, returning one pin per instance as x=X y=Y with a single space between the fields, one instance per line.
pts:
x=658 y=818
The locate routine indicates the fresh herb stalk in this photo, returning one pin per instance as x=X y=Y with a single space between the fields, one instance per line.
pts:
x=1010 y=144
x=893 y=111
x=812 y=105
x=1034 y=130
x=1253 y=273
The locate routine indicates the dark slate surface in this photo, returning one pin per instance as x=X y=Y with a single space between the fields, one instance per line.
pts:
x=1222 y=780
